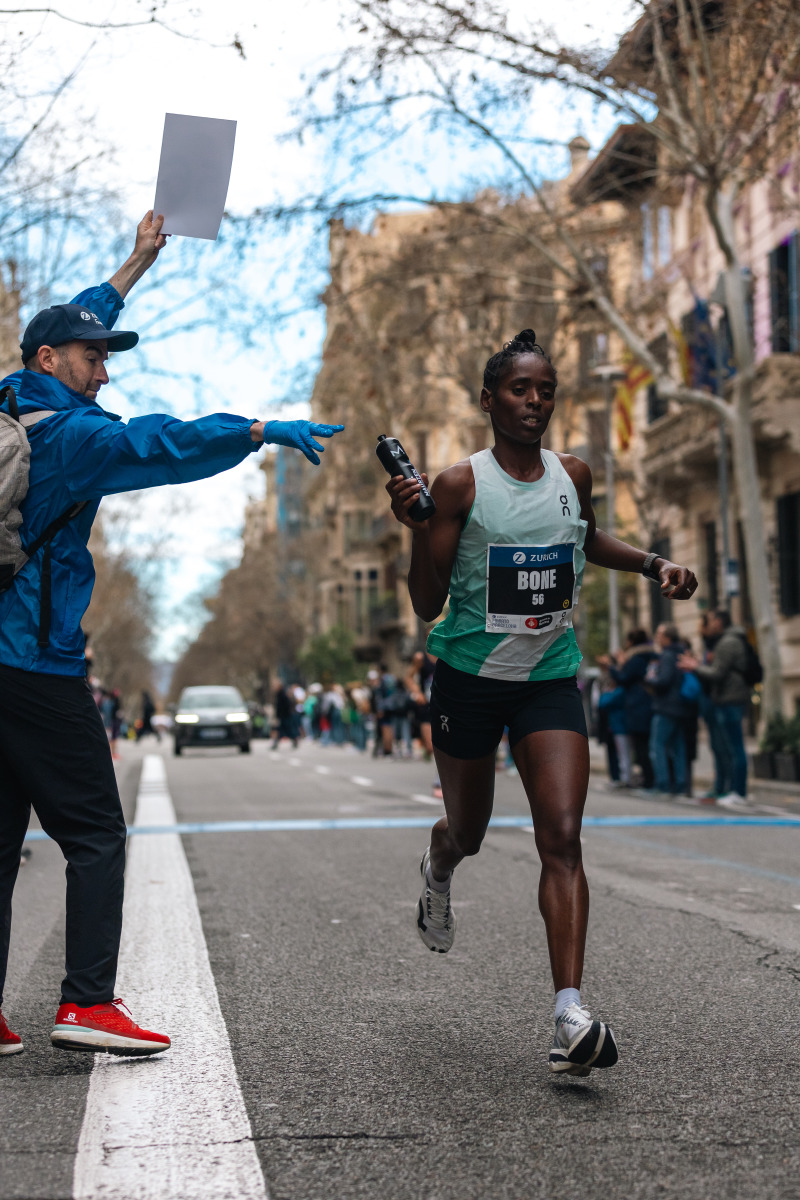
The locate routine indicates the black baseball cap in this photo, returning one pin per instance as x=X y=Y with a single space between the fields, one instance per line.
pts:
x=71 y=323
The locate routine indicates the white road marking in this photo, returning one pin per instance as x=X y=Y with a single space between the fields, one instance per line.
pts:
x=362 y=781
x=295 y=762
x=420 y=799
x=322 y=770
x=174 y=1125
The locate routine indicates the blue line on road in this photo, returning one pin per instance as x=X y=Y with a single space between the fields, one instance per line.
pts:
x=304 y=825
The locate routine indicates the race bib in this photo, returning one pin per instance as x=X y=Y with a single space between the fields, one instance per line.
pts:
x=529 y=589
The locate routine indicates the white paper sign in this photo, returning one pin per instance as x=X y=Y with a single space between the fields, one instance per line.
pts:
x=193 y=174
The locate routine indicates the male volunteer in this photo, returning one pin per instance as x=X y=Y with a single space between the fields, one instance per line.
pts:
x=54 y=755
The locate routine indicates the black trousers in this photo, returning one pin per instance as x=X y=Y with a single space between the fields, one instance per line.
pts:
x=55 y=758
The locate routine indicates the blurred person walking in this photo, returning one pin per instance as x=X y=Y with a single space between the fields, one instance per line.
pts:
x=629 y=670
x=729 y=676
x=54 y=754
x=418 y=685
x=146 y=724
x=285 y=723
x=670 y=713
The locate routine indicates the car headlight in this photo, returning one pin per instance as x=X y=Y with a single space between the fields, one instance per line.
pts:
x=239 y=716
x=186 y=718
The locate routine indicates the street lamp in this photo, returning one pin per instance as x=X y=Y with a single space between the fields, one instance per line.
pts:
x=610 y=375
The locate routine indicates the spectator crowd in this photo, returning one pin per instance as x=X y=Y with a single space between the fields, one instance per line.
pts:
x=653 y=695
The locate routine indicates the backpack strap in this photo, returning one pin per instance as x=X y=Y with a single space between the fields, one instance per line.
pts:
x=27 y=420
x=46 y=539
x=33 y=418
x=9 y=396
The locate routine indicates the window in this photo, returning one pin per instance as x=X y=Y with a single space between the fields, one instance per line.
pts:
x=783 y=270
x=660 y=607
x=592 y=350
x=711 y=563
x=657 y=406
x=788 y=514
x=357 y=528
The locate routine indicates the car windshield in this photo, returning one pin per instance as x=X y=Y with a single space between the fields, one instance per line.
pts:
x=220 y=697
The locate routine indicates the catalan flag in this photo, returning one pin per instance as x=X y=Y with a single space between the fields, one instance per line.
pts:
x=636 y=377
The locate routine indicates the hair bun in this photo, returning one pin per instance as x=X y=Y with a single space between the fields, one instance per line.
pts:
x=527 y=337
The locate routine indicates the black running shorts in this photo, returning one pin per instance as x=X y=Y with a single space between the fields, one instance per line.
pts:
x=470 y=712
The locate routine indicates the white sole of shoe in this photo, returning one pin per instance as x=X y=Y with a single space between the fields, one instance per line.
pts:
x=94 y=1041
x=595 y=1047
x=14 y=1049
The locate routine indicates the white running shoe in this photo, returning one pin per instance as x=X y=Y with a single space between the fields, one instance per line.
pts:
x=581 y=1043
x=436 y=921
x=733 y=800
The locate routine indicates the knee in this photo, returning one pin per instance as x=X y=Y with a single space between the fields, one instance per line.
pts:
x=467 y=841
x=560 y=844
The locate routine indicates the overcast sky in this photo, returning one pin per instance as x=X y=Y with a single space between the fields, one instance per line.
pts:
x=127 y=83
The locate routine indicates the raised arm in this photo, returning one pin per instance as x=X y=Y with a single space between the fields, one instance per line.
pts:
x=435 y=542
x=149 y=241
x=677 y=583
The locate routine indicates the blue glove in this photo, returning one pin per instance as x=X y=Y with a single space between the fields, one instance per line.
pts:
x=300 y=435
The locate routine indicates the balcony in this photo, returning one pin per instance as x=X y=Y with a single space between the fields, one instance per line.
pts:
x=682 y=446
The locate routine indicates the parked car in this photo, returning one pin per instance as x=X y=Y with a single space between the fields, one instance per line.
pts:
x=212 y=716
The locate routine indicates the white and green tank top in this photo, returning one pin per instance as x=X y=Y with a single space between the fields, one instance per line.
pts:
x=516 y=577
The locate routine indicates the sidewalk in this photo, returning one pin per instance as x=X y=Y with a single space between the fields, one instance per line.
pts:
x=762 y=793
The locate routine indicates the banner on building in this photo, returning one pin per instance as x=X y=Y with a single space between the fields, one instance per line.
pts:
x=636 y=376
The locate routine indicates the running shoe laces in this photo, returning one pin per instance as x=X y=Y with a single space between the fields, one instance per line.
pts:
x=437 y=906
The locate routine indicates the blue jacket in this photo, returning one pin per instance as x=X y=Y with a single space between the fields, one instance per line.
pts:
x=637 y=698
x=666 y=680
x=85 y=453
x=613 y=705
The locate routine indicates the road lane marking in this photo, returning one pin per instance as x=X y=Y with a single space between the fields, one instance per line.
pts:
x=422 y=799
x=362 y=781
x=290 y=825
x=176 y=1125
x=322 y=770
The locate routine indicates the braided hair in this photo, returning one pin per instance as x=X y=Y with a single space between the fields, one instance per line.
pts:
x=524 y=343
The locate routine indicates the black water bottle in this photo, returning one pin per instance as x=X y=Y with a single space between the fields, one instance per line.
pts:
x=396 y=462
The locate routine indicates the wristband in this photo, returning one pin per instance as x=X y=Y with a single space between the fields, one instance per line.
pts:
x=647 y=567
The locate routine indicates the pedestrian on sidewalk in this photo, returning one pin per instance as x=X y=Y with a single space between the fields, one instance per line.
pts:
x=54 y=754
x=670 y=713
x=513 y=528
x=729 y=692
x=629 y=671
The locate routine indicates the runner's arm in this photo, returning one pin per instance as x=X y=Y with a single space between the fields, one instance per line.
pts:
x=677 y=583
x=435 y=542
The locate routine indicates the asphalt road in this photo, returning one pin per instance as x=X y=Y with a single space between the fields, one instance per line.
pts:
x=372 y=1068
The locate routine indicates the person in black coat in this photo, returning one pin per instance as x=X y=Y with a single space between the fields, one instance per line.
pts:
x=670 y=713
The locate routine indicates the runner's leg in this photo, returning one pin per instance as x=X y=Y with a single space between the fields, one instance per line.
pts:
x=468 y=791
x=554 y=769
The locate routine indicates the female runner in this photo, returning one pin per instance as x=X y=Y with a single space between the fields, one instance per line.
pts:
x=512 y=531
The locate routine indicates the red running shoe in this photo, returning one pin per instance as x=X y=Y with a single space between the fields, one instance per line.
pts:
x=9 y=1042
x=104 y=1029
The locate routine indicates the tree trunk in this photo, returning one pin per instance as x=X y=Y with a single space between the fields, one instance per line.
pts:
x=748 y=491
x=745 y=467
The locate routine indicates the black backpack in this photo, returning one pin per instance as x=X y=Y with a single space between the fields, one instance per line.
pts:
x=753 y=672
